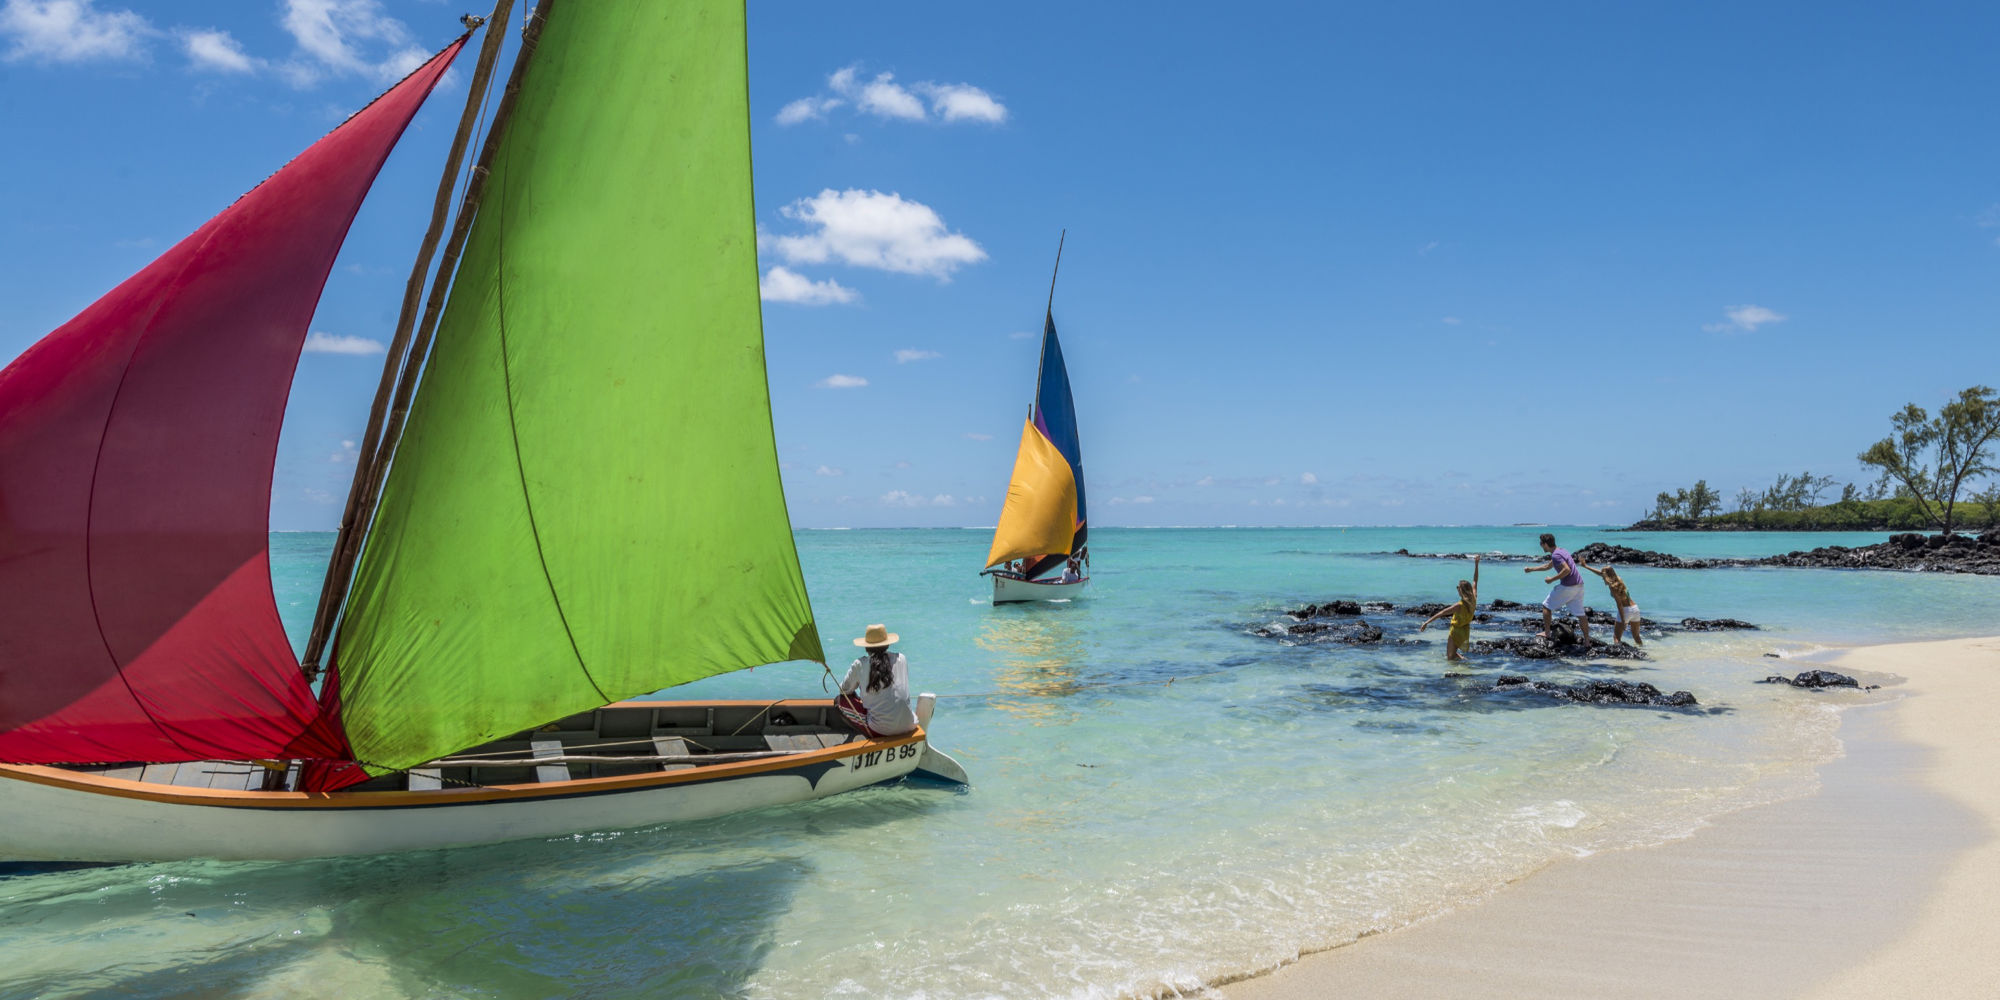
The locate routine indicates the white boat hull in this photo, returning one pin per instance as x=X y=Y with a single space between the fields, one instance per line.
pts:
x=1009 y=590
x=55 y=814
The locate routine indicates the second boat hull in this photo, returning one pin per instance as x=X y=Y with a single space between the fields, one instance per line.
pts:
x=1013 y=590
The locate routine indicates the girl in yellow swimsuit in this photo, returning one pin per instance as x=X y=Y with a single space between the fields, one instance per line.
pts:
x=1460 y=635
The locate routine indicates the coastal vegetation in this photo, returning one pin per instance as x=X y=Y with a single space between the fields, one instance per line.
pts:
x=1926 y=466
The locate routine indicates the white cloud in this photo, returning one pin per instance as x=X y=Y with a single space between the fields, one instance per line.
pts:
x=828 y=470
x=1308 y=478
x=1020 y=335
x=872 y=229
x=1424 y=251
x=334 y=343
x=782 y=284
x=884 y=98
x=72 y=31
x=1205 y=481
x=904 y=357
x=1451 y=321
x=902 y=498
x=806 y=109
x=216 y=50
x=346 y=454
x=963 y=102
x=842 y=382
x=902 y=465
x=976 y=436
x=1122 y=500
x=1744 y=319
x=329 y=34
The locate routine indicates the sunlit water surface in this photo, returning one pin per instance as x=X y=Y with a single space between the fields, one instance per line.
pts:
x=1160 y=797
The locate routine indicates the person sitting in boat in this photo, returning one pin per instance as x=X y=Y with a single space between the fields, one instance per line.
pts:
x=1073 y=570
x=875 y=697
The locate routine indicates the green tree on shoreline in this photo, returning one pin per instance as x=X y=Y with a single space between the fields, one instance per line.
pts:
x=1934 y=457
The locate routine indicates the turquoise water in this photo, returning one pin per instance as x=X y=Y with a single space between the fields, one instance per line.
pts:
x=1161 y=798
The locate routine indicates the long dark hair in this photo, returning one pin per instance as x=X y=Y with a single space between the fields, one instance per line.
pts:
x=879 y=662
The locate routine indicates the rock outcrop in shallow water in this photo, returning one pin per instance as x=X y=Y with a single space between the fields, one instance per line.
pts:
x=1562 y=643
x=1339 y=620
x=1909 y=552
x=1714 y=624
x=1600 y=692
x=1818 y=680
x=1334 y=607
x=1355 y=633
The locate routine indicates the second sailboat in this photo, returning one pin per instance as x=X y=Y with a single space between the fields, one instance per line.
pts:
x=1040 y=548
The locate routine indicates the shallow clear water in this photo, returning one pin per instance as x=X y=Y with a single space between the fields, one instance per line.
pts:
x=1160 y=797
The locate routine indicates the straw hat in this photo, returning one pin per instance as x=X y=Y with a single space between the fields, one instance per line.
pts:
x=877 y=635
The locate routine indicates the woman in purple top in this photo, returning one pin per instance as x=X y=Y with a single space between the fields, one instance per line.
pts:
x=1567 y=594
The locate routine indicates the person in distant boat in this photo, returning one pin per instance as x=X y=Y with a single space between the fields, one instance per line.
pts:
x=1461 y=613
x=875 y=697
x=1073 y=570
x=1628 y=609
x=1567 y=592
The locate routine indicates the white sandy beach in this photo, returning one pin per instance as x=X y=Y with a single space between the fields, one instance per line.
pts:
x=1885 y=883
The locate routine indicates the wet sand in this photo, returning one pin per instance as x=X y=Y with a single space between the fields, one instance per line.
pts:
x=1884 y=883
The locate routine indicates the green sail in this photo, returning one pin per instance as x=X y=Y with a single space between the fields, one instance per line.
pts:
x=585 y=503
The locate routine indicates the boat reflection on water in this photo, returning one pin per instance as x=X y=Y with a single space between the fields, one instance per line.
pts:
x=1039 y=665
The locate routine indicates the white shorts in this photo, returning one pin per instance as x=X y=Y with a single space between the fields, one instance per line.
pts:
x=1566 y=598
x=1629 y=613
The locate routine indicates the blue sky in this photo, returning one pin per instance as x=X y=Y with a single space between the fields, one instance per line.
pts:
x=1431 y=263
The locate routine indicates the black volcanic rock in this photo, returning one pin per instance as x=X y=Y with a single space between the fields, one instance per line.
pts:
x=1334 y=607
x=1562 y=643
x=1601 y=554
x=1714 y=624
x=1354 y=633
x=1600 y=692
x=1817 y=680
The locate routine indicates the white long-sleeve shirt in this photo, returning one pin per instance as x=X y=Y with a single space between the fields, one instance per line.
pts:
x=889 y=711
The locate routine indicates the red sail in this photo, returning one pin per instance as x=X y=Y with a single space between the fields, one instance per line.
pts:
x=136 y=445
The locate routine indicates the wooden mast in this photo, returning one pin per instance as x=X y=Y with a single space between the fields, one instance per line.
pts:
x=412 y=343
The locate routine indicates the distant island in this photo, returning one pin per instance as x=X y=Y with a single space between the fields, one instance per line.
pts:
x=1883 y=514
x=1925 y=468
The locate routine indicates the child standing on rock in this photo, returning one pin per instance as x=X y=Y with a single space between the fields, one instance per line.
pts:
x=1460 y=635
x=1628 y=610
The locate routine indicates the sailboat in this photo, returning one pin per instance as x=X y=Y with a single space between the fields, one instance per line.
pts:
x=1040 y=549
x=568 y=497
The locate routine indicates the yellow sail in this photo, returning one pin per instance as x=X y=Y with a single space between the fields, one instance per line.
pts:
x=1039 y=517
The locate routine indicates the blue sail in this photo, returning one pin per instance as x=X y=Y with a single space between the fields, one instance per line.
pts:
x=1055 y=417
